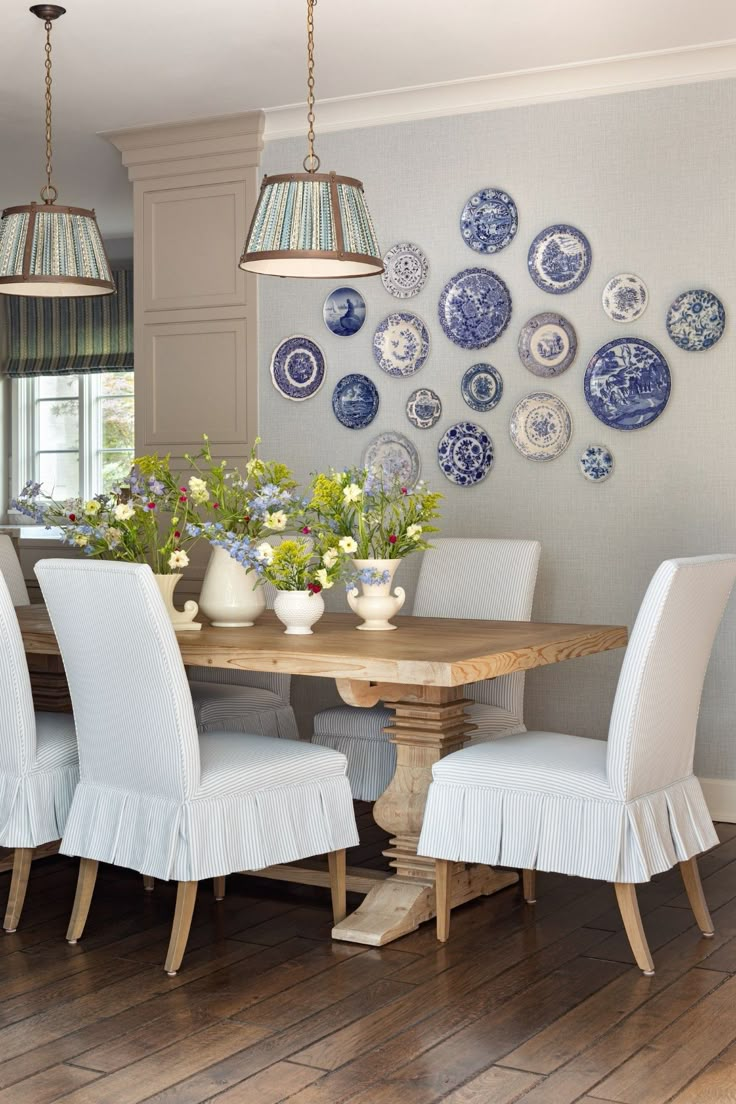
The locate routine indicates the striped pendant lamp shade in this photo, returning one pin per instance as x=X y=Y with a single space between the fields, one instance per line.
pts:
x=52 y=251
x=312 y=225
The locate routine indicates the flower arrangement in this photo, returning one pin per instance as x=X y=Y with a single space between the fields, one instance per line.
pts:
x=308 y=562
x=143 y=520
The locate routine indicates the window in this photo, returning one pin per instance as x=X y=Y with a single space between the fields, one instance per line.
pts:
x=74 y=434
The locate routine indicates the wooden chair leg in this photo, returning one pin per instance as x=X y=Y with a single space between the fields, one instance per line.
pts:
x=696 y=897
x=186 y=895
x=149 y=883
x=629 y=908
x=22 y=860
x=442 y=877
x=529 y=886
x=219 y=887
x=82 y=899
x=336 y=863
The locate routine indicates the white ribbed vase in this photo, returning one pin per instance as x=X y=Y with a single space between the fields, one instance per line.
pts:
x=376 y=604
x=298 y=610
x=230 y=597
x=180 y=619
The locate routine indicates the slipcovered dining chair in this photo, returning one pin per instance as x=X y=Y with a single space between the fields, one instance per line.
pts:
x=39 y=770
x=485 y=579
x=12 y=572
x=621 y=810
x=155 y=798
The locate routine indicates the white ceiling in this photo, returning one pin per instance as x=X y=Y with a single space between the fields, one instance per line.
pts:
x=132 y=62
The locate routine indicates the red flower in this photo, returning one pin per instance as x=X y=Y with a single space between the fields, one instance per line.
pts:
x=392 y=539
x=404 y=490
x=183 y=489
x=151 y=505
x=215 y=505
x=72 y=517
x=246 y=519
x=306 y=529
x=314 y=587
x=183 y=498
x=177 y=534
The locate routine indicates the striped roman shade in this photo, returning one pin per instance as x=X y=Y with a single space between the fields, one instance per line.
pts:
x=60 y=336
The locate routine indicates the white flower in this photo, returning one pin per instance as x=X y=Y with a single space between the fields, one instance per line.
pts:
x=81 y=539
x=323 y=579
x=123 y=511
x=414 y=532
x=254 y=467
x=92 y=507
x=178 y=559
x=348 y=545
x=275 y=520
x=330 y=557
x=352 y=492
x=264 y=553
x=198 y=490
x=113 y=536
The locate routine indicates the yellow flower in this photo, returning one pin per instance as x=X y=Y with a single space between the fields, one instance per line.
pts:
x=414 y=532
x=81 y=539
x=175 y=521
x=326 y=494
x=92 y=507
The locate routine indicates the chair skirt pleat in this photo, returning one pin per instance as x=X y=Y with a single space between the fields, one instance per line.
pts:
x=34 y=807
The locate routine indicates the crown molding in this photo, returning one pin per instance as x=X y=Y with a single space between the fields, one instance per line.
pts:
x=605 y=76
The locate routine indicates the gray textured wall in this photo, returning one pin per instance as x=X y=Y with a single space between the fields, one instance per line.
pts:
x=649 y=177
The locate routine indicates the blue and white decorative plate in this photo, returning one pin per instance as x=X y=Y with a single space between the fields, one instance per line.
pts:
x=559 y=259
x=625 y=297
x=465 y=454
x=596 y=463
x=401 y=344
x=627 y=383
x=405 y=270
x=475 y=308
x=482 y=387
x=547 y=344
x=298 y=368
x=489 y=220
x=541 y=426
x=423 y=408
x=355 y=401
x=696 y=320
x=395 y=456
x=344 y=311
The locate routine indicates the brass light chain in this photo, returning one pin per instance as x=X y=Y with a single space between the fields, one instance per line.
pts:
x=48 y=192
x=311 y=161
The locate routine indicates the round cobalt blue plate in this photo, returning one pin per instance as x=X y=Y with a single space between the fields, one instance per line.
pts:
x=482 y=387
x=559 y=259
x=344 y=311
x=423 y=408
x=696 y=320
x=298 y=368
x=547 y=344
x=596 y=463
x=465 y=454
x=475 y=308
x=489 y=220
x=355 y=401
x=627 y=383
x=401 y=344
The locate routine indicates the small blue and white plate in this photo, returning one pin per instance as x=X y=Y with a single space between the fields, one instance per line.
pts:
x=596 y=463
x=482 y=387
x=559 y=259
x=625 y=297
x=405 y=270
x=696 y=320
x=541 y=426
x=475 y=308
x=627 y=383
x=393 y=455
x=423 y=408
x=401 y=344
x=355 y=401
x=465 y=454
x=489 y=220
x=344 y=311
x=298 y=368
x=547 y=344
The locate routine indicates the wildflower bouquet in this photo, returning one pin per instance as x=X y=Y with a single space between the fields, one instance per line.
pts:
x=310 y=563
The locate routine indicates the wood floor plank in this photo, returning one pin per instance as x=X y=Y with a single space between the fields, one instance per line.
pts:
x=47 y=1086
x=660 y=926
x=270 y=1086
x=501 y=1086
x=718 y=888
x=715 y=1085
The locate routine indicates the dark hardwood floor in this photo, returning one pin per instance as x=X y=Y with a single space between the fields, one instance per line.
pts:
x=540 y=1005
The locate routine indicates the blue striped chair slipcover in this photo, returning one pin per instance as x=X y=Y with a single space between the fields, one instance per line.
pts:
x=621 y=810
x=153 y=796
x=459 y=577
x=39 y=770
x=12 y=572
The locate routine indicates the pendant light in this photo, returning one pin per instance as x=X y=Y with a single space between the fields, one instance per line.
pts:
x=47 y=250
x=312 y=224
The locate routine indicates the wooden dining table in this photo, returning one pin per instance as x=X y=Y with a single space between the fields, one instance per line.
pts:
x=421 y=672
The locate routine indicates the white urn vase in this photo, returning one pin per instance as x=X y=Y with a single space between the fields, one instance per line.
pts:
x=373 y=601
x=298 y=610
x=180 y=619
x=230 y=596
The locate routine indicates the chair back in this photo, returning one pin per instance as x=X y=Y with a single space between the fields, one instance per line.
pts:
x=651 y=738
x=12 y=572
x=485 y=579
x=132 y=704
x=17 y=717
